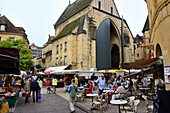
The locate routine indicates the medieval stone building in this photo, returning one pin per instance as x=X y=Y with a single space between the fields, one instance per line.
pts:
x=159 y=35
x=88 y=35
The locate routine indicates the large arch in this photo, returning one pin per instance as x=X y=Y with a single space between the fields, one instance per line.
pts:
x=160 y=64
x=107 y=34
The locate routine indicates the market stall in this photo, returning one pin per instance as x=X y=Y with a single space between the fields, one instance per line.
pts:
x=9 y=58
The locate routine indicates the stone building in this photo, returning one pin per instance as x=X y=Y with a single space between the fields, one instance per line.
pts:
x=159 y=22
x=88 y=35
x=8 y=30
x=47 y=53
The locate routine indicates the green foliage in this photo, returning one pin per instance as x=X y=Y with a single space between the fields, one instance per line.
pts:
x=25 y=54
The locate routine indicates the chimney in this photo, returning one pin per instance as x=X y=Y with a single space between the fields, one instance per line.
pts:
x=69 y=2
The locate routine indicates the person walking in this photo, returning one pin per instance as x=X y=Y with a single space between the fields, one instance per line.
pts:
x=76 y=79
x=54 y=84
x=101 y=82
x=27 y=88
x=35 y=87
x=40 y=84
x=161 y=98
x=73 y=88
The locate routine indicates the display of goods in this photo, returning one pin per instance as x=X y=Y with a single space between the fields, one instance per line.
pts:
x=2 y=91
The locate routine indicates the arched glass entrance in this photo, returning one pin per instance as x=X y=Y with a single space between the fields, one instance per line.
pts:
x=107 y=57
x=115 y=57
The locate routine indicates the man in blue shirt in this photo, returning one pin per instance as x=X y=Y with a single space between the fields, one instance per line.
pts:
x=35 y=87
x=101 y=82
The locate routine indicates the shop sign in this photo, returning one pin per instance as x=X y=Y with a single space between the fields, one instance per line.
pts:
x=167 y=74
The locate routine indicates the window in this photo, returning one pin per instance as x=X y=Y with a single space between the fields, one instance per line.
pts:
x=12 y=38
x=65 y=60
x=0 y=38
x=99 y=3
x=138 y=55
x=65 y=50
x=57 y=61
x=57 y=49
x=60 y=46
x=111 y=10
x=60 y=60
x=2 y=27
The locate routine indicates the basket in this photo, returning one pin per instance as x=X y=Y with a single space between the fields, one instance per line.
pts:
x=26 y=95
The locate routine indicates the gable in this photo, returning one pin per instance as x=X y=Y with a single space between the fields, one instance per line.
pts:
x=106 y=5
x=72 y=9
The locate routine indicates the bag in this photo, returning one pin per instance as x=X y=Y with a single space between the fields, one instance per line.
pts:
x=39 y=96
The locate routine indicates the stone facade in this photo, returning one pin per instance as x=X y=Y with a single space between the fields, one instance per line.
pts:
x=47 y=54
x=75 y=38
x=159 y=20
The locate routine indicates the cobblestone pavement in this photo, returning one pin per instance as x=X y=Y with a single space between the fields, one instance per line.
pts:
x=87 y=103
x=49 y=103
x=59 y=103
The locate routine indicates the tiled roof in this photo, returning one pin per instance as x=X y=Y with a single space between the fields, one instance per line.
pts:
x=10 y=27
x=72 y=9
x=146 y=26
x=71 y=26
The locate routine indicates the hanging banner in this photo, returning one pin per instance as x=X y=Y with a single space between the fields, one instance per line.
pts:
x=150 y=47
x=167 y=74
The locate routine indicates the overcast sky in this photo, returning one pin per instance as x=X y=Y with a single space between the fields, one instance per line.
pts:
x=38 y=16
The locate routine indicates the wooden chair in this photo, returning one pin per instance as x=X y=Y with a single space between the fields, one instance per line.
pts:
x=80 y=95
x=149 y=104
x=132 y=109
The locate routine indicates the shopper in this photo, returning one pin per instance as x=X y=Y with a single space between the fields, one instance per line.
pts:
x=101 y=82
x=72 y=90
x=35 y=87
x=161 y=98
x=27 y=88
x=76 y=79
x=54 y=84
x=40 y=84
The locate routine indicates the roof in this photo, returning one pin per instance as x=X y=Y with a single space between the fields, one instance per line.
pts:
x=71 y=26
x=49 y=41
x=140 y=64
x=10 y=27
x=72 y=9
x=146 y=26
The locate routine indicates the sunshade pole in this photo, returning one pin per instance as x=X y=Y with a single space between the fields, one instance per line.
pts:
x=130 y=81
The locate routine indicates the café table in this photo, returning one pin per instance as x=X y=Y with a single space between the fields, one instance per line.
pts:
x=146 y=89
x=118 y=102
x=108 y=91
x=80 y=87
x=92 y=95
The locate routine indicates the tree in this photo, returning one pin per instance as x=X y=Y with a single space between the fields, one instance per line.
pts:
x=25 y=54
